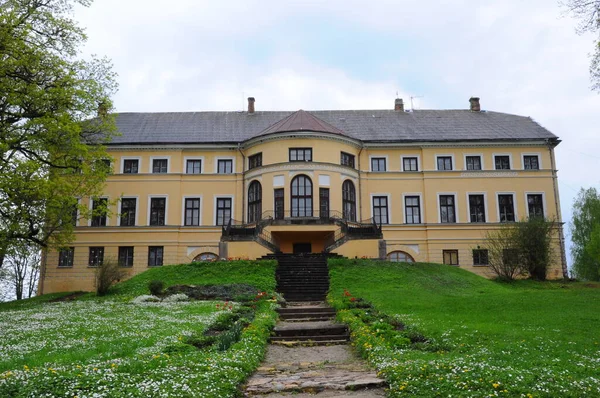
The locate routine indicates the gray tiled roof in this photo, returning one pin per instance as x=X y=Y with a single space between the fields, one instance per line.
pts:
x=366 y=125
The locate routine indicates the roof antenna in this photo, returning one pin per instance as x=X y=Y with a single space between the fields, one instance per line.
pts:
x=412 y=106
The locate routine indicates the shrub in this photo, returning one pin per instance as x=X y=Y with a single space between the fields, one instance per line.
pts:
x=107 y=274
x=176 y=298
x=230 y=336
x=156 y=287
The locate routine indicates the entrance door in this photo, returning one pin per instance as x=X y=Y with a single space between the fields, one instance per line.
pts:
x=279 y=209
x=324 y=202
x=300 y=248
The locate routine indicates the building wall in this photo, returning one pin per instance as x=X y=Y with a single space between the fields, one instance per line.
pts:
x=424 y=241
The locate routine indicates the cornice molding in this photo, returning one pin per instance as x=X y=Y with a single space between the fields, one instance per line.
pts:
x=302 y=135
x=299 y=167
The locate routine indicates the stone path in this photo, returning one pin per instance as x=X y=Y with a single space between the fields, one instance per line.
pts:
x=293 y=367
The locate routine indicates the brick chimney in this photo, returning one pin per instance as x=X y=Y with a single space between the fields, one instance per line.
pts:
x=251 y=105
x=399 y=105
x=474 y=101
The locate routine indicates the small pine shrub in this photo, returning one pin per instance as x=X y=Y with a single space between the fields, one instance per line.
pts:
x=156 y=287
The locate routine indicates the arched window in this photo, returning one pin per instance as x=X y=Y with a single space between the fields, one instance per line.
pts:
x=349 y=201
x=205 y=257
x=254 y=201
x=400 y=257
x=302 y=197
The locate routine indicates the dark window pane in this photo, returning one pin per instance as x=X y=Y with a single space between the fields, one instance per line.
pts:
x=223 y=211
x=380 y=210
x=412 y=209
x=99 y=212
x=473 y=162
x=155 y=256
x=301 y=199
x=128 y=209
x=225 y=166
x=444 y=163
x=410 y=164
x=347 y=159
x=192 y=211
x=378 y=164
x=193 y=166
x=531 y=162
x=159 y=165
x=502 y=162
x=447 y=211
x=349 y=201
x=535 y=205
x=506 y=207
x=255 y=161
x=480 y=257
x=126 y=256
x=65 y=257
x=477 y=208
x=254 y=201
x=157 y=211
x=300 y=154
x=96 y=256
x=130 y=166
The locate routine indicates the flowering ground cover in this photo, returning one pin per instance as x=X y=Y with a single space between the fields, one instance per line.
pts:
x=113 y=347
x=483 y=338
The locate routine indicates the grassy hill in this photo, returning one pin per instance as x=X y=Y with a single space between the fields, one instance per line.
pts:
x=500 y=339
x=475 y=337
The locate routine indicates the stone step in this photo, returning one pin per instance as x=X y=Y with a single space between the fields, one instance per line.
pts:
x=308 y=318
x=305 y=298
x=306 y=310
x=309 y=343
x=313 y=381
x=284 y=329
x=341 y=337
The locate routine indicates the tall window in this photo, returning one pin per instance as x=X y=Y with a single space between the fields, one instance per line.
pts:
x=349 y=201
x=506 y=207
x=193 y=166
x=300 y=154
x=412 y=209
x=225 y=166
x=278 y=197
x=450 y=257
x=378 y=164
x=447 y=209
x=535 y=205
x=473 y=162
x=96 y=256
x=255 y=161
x=480 y=257
x=531 y=162
x=502 y=162
x=477 y=208
x=254 y=201
x=131 y=166
x=99 y=212
x=302 y=197
x=347 y=159
x=128 y=208
x=126 y=256
x=444 y=163
x=160 y=165
x=65 y=257
x=158 y=208
x=223 y=211
x=192 y=211
x=380 y=210
x=155 y=256
x=410 y=164
x=324 y=203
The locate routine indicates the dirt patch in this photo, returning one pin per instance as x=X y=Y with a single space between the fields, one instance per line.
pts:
x=237 y=292
x=68 y=297
x=333 y=353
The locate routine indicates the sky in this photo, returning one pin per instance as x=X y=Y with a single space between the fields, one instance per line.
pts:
x=519 y=57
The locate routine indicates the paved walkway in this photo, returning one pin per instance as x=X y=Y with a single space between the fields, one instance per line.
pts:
x=292 y=370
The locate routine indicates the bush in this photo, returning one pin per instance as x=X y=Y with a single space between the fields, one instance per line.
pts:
x=107 y=274
x=156 y=287
x=176 y=298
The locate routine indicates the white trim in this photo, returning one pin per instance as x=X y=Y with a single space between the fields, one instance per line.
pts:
x=539 y=156
x=185 y=160
x=153 y=158
x=124 y=158
x=515 y=204
x=510 y=160
x=150 y=197
x=91 y=208
x=222 y=196
x=419 y=165
x=421 y=212
x=456 y=209
x=481 y=157
x=543 y=201
x=387 y=163
x=216 y=165
x=137 y=208
x=183 y=198
x=439 y=155
x=485 y=204
x=389 y=205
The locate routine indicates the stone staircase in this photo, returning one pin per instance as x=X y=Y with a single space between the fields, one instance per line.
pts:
x=308 y=324
x=302 y=277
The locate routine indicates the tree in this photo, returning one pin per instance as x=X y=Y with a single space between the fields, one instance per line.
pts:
x=588 y=14
x=22 y=268
x=585 y=235
x=54 y=122
x=521 y=248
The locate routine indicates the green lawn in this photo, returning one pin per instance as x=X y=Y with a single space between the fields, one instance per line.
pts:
x=112 y=347
x=540 y=339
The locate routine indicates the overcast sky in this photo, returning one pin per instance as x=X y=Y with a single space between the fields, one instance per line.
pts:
x=519 y=57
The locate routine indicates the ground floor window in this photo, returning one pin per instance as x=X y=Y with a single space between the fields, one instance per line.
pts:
x=65 y=257
x=96 y=256
x=480 y=257
x=126 y=256
x=450 y=257
x=155 y=256
x=400 y=257
x=205 y=257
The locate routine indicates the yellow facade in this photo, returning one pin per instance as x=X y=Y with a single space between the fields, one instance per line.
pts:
x=423 y=241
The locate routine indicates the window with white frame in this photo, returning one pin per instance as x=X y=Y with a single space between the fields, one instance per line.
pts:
x=412 y=209
x=193 y=166
x=473 y=162
x=380 y=210
x=531 y=162
x=410 y=164
x=158 y=211
x=155 y=256
x=99 y=212
x=447 y=209
x=126 y=256
x=225 y=166
x=66 y=256
x=444 y=163
x=450 y=257
x=378 y=164
x=506 y=207
x=131 y=166
x=502 y=162
x=223 y=211
x=128 y=210
x=160 y=166
x=477 y=208
x=192 y=212
x=535 y=205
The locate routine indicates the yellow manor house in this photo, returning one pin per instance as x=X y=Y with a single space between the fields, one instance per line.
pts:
x=396 y=184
